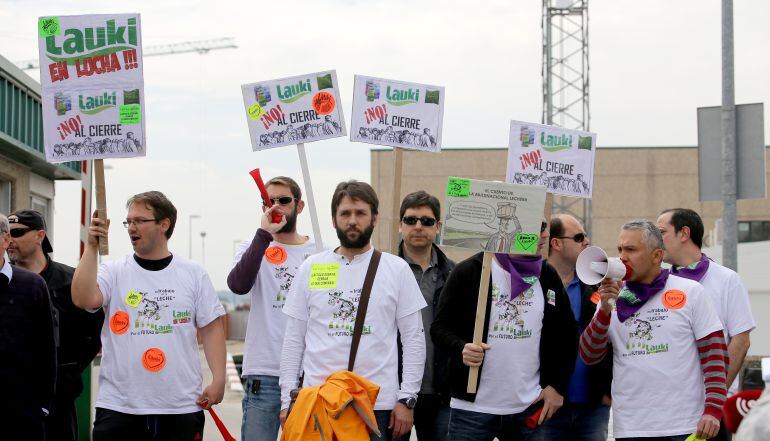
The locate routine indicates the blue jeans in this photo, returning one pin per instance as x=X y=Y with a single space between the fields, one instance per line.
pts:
x=577 y=422
x=431 y=418
x=475 y=426
x=657 y=438
x=383 y=419
x=261 y=408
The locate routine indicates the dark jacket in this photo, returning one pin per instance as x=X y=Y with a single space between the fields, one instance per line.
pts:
x=27 y=349
x=456 y=315
x=79 y=331
x=600 y=374
x=440 y=355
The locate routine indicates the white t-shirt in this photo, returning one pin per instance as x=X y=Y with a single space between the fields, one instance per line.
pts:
x=730 y=299
x=657 y=385
x=510 y=378
x=264 y=331
x=330 y=308
x=150 y=359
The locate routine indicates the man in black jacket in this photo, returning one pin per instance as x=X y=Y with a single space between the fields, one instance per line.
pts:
x=420 y=216
x=27 y=350
x=77 y=330
x=586 y=411
x=528 y=350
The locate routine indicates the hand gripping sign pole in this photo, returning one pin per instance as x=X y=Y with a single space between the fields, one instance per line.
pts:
x=481 y=312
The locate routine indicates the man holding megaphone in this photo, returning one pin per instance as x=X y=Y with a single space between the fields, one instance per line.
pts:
x=669 y=353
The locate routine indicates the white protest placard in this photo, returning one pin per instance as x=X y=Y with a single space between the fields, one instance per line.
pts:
x=92 y=85
x=293 y=110
x=397 y=114
x=561 y=160
x=493 y=216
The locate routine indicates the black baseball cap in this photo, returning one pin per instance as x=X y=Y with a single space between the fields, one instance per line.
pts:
x=34 y=220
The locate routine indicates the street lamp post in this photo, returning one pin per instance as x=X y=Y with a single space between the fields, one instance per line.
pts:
x=203 y=248
x=189 y=243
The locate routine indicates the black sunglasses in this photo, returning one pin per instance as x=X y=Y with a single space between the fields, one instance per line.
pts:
x=425 y=220
x=18 y=232
x=579 y=238
x=283 y=200
x=543 y=226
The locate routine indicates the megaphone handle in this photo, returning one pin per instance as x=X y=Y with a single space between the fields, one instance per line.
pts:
x=481 y=312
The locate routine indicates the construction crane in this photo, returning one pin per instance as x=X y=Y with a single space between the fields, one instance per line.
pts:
x=201 y=47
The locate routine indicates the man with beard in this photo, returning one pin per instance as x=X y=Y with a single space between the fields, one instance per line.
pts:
x=669 y=353
x=322 y=313
x=264 y=268
x=78 y=331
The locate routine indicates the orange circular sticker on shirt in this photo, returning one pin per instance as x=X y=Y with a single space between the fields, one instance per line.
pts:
x=596 y=297
x=153 y=359
x=119 y=322
x=674 y=299
x=323 y=103
x=276 y=255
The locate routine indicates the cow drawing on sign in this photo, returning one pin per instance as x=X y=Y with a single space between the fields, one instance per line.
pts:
x=344 y=311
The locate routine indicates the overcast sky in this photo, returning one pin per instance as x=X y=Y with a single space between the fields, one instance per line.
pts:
x=652 y=64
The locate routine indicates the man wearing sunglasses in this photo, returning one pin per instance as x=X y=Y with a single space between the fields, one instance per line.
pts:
x=155 y=303
x=78 y=330
x=264 y=268
x=27 y=349
x=420 y=224
x=585 y=414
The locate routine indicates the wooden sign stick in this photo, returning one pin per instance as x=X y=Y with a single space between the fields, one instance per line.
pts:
x=319 y=246
x=547 y=212
x=398 y=166
x=481 y=313
x=101 y=202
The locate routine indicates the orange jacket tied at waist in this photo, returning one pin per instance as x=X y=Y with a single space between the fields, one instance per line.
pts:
x=342 y=408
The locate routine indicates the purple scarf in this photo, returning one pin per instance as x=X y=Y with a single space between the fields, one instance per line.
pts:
x=524 y=271
x=634 y=295
x=694 y=271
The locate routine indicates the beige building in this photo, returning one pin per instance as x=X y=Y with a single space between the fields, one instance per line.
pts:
x=629 y=182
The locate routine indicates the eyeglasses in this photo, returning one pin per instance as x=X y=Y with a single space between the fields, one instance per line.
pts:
x=137 y=222
x=425 y=221
x=543 y=226
x=18 y=232
x=579 y=238
x=283 y=200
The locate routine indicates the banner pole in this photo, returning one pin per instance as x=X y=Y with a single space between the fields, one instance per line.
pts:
x=398 y=166
x=319 y=246
x=101 y=202
x=481 y=313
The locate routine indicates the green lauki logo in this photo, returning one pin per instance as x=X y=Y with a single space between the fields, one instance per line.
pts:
x=399 y=97
x=293 y=92
x=88 y=42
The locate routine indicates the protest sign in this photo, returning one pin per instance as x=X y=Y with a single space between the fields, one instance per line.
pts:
x=561 y=160
x=397 y=114
x=293 y=110
x=92 y=86
x=493 y=216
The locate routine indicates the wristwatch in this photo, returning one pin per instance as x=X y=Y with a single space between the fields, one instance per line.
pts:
x=408 y=402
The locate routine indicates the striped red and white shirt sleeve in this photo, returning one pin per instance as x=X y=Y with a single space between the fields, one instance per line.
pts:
x=714 y=360
x=593 y=342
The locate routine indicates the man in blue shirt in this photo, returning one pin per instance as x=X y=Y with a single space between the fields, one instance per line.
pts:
x=586 y=411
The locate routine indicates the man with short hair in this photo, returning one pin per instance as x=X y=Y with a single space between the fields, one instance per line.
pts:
x=682 y=231
x=265 y=268
x=150 y=383
x=27 y=349
x=585 y=414
x=78 y=331
x=669 y=353
x=420 y=216
x=322 y=314
x=527 y=352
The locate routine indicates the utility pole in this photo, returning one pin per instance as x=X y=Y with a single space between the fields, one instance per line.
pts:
x=729 y=179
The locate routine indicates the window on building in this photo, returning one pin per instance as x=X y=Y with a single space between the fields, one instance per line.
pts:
x=753 y=231
x=5 y=197
x=39 y=204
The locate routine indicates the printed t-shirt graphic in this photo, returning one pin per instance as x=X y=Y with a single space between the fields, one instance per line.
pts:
x=510 y=379
x=330 y=313
x=265 y=328
x=657 y=378
x=152 y=365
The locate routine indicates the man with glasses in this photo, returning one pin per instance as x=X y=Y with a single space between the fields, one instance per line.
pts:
x=420 y=224
x=77 y=330
x=528 y=349
x=264 y=268
x=27 y=349
x=586 y=411
x=156 y=302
